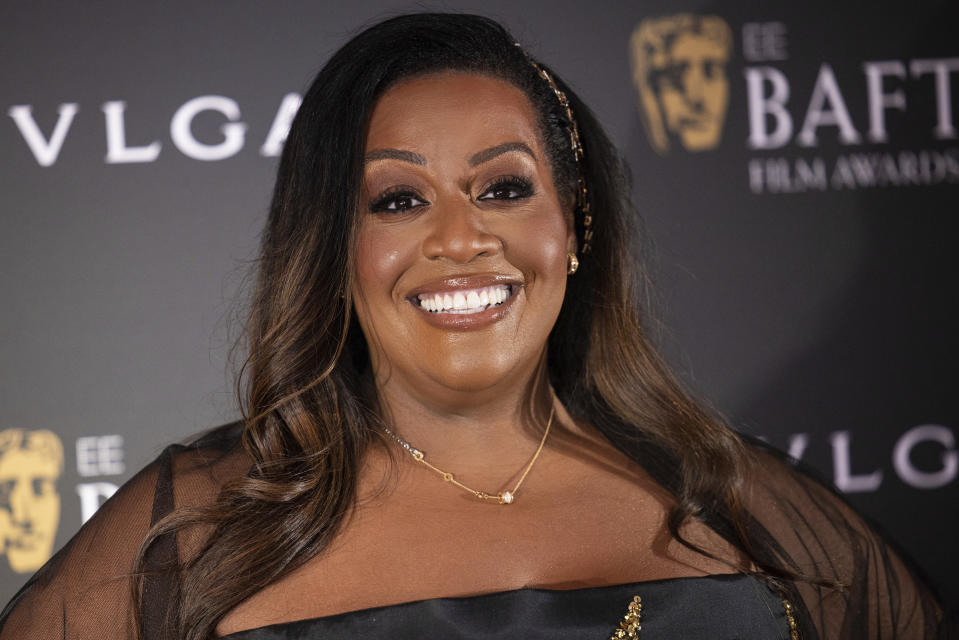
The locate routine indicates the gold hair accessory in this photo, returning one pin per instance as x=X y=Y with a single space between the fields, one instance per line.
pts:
x=572 y=263
x=582 y=195
x=505 y=497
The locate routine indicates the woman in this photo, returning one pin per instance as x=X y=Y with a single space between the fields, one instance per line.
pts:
x=454 y=423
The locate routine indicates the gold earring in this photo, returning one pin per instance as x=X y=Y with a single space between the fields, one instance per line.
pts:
x=572 y=263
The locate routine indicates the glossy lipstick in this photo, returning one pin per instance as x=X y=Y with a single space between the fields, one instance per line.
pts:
x=465 y=302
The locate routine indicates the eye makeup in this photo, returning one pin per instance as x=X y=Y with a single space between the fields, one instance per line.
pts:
x=397 y=199
x=509 y=187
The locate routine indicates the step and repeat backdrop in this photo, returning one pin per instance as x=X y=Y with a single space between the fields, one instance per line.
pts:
x=797 y=165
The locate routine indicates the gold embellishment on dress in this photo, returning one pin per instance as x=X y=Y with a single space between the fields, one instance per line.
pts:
x=790 y=619
x=780 y=589
x=629 y=627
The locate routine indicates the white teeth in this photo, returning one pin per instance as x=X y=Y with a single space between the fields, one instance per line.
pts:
x=465 y=301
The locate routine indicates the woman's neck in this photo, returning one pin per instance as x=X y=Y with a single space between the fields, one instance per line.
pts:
x=488 y=431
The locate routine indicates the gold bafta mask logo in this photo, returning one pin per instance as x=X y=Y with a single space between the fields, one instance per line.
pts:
x=30 y=464
x=679 y=69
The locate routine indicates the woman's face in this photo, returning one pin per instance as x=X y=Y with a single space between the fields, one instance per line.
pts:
x=462 y=245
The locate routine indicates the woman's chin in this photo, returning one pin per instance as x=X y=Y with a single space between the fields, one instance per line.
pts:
x=473 y=375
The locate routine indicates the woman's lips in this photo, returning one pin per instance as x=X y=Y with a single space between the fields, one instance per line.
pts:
x=465 y=302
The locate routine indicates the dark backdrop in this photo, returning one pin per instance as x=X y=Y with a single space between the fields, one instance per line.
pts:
x=805 y=269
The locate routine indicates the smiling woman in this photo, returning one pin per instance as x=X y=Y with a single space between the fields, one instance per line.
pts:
x=462 y=205
x=455 y=425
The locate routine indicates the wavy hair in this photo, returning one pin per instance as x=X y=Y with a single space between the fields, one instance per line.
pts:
x=305 y=389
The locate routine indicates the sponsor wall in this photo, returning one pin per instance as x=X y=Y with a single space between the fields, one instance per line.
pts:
x=797 y=166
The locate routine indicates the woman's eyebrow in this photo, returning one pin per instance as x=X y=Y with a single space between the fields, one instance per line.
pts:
x=488 y=154
x=395 y=154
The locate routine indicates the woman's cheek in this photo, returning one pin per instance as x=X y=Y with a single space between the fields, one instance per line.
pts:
x=378 y=260
x=542 y=247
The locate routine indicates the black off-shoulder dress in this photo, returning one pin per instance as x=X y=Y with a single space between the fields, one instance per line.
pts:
x=713 y=607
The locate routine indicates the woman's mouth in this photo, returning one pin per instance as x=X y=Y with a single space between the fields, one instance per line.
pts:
x=465 y=301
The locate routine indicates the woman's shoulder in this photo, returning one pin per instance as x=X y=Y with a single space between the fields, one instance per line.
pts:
x=84 y=590
x=193 y=473
x=851 y=573
x=808 y=517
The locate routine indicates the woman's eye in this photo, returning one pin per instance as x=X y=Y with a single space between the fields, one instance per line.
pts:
x=397 y=202
x=512 y=188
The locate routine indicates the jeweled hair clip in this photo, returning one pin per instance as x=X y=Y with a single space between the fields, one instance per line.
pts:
x=582 y=194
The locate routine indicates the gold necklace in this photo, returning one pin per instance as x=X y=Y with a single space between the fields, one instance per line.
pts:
x=505 y=497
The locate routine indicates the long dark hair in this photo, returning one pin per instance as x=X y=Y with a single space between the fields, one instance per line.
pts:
x=308 y=411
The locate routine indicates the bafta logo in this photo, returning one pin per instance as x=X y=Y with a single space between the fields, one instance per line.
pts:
x=30 y=464
x=679 y=69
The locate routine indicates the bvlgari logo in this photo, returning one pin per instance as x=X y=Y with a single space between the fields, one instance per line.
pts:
x=679 y=69
x=30 y=464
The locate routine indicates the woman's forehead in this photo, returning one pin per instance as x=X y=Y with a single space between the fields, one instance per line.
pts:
x=451 y=111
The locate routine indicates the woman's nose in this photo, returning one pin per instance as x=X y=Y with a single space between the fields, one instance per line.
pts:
x=458 y=232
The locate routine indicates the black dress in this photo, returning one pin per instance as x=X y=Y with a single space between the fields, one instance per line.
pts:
x=84 y=591
x=713 y=607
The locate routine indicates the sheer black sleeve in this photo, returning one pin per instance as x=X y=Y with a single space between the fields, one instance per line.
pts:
x=84 y=590
x=816 y=534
